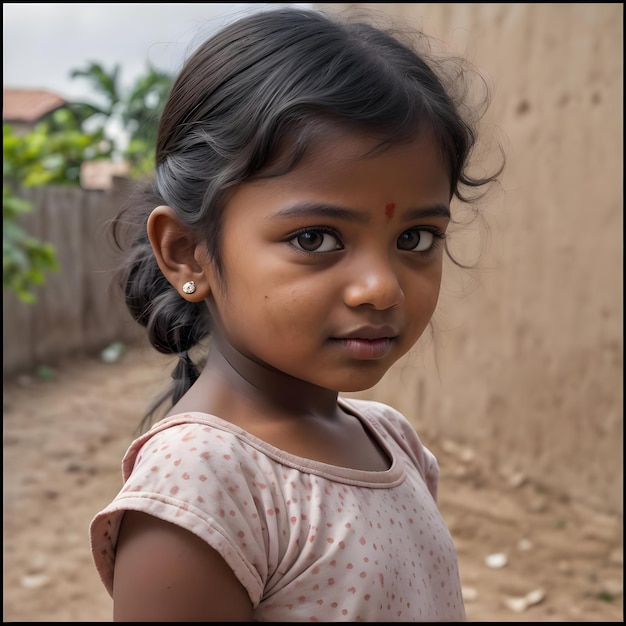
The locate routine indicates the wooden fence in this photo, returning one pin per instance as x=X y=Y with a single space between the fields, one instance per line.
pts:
x=77 y=309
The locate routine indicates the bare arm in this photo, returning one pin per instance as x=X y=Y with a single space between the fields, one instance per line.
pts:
x=166 y=573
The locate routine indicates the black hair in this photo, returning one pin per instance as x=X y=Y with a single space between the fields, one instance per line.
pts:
x=248 y=103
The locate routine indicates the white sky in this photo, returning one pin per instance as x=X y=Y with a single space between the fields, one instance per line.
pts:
x=43 y=43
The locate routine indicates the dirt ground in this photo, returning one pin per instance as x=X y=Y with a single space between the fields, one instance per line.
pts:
x=64 y=437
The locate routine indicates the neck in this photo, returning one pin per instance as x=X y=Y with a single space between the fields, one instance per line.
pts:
x=232 y=382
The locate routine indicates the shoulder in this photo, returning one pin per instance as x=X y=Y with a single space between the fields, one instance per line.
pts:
x=186 y=440
x=198 y=459
x=386 y=418
x=398 y=432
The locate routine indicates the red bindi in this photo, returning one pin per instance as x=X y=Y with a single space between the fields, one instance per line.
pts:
x=389 y=209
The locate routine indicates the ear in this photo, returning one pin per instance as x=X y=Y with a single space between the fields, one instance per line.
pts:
x=179 y=256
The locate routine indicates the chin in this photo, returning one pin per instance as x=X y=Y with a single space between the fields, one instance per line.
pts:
x=362 y=383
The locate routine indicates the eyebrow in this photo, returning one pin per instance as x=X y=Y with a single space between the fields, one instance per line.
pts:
x=438 y=210
x=315 y=209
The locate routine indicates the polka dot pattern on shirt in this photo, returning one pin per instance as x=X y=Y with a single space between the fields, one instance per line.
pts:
x=310 y=542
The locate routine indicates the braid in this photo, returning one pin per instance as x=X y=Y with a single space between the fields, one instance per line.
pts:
x=174 y=324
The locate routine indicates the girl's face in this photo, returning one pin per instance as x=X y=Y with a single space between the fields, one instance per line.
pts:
x=332 y=271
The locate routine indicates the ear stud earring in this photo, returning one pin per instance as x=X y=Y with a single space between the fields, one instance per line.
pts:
x=189 y=286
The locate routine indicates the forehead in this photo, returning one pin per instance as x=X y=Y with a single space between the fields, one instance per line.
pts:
x=348 y=161
x=346 y=171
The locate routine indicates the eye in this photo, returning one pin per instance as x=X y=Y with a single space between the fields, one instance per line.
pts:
x=417 y=240
x=316 y=240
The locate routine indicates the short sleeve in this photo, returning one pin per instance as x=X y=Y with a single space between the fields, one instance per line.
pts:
x=197 y=477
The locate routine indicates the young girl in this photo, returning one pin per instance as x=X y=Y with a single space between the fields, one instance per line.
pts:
x=304 y=173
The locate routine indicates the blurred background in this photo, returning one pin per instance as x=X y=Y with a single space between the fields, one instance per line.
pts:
x=532 y=347
x=525 y=364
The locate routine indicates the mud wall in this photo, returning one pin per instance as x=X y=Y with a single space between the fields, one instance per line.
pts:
x=525 y=365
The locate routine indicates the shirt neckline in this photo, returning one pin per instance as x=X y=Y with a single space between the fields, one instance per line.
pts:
x=390 y=477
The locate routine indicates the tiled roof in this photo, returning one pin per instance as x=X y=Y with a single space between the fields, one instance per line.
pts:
x=99 y=174
x=28 y=105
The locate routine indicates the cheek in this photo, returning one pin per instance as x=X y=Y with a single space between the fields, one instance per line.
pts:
x=291 y=310
x=424 y=296
x=262 y=310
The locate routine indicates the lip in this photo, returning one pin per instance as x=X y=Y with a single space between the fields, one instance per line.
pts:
x=366 y=349
x=367 y=343
x=371 y=333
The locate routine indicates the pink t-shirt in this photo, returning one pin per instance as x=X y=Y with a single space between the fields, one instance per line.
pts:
x=308 y=541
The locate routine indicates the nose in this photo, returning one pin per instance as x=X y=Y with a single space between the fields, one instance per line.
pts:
x=375 y=283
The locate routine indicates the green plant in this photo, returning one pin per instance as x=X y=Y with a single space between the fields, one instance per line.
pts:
x=136 y=111
x=51 y=154
x=24 y=258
